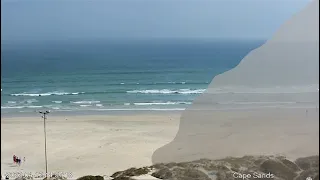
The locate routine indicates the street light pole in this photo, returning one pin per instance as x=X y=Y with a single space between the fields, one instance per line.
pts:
x=45 y=138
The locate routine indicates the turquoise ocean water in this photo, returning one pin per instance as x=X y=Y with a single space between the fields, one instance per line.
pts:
x=113 y=75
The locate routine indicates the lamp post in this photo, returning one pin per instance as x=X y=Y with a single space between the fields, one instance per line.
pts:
x=45 y=138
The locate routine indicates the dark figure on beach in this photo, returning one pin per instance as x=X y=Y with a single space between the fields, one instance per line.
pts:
x=14 y=158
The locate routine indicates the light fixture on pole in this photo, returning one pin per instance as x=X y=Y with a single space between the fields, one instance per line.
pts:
x=45 y=138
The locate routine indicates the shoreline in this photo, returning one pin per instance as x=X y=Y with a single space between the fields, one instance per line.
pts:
x=129 y=112
x=104 y=144
x=92 y=113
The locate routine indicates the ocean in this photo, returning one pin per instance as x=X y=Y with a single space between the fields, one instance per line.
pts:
x=113 y=75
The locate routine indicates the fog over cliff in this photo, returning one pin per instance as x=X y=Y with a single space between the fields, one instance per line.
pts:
x=273 y=93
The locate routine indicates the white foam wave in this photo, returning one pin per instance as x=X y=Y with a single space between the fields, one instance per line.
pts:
x=30 y=101
x=85 y=102
x=47 y=94
x=57 y=102
x=12 y=107
x=19 y=107
x=168 y=91
x=33 y=106
x=85 y=105
x=160 y=103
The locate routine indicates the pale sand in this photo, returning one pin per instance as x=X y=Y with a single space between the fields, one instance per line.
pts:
x=85 y=145
x=102 y=145
x=290 y=132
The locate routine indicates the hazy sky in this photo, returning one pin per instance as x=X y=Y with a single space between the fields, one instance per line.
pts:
x=80 y=19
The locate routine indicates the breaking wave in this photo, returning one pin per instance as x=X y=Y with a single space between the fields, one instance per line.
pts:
x=47 y=94
x=168 y=91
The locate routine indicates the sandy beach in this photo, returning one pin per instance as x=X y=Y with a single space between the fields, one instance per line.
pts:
x=85 y=145
x=102 y=145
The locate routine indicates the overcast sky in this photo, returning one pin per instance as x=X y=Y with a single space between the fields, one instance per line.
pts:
x=80 y=19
